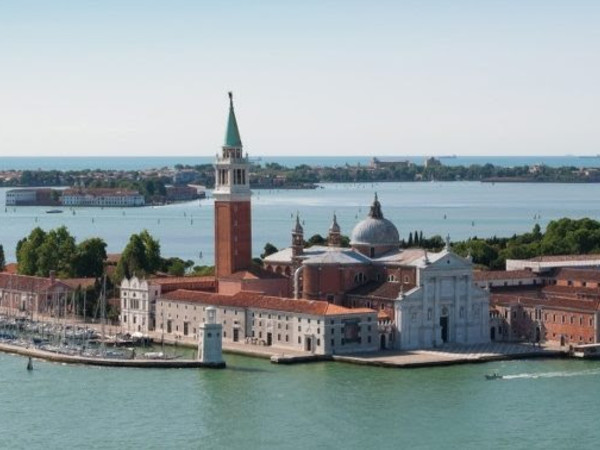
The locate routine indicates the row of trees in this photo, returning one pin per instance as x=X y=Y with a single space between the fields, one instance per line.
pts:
x=56 y=250
x=41 y=251
x=562 y=237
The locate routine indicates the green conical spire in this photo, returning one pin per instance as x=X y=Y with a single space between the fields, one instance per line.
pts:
x=232 y=135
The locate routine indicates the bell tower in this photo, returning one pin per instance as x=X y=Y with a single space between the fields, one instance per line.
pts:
x=233 y=220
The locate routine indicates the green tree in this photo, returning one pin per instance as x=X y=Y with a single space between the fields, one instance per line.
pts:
x=152 y=252
x=89 y=258
x=316 y=239
x=269 y=250
x=27 y=251
x=140 y=257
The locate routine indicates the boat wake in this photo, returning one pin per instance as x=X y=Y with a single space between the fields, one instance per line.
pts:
x=552 y=374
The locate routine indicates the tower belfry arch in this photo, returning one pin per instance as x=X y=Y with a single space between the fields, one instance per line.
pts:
x=233 y=220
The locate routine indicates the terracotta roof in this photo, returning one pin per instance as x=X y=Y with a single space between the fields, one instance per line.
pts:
x=74 y=283
x=26 y=283
x=176 y=280
x=485 y=275
x=385 y=289
x=570 y=291
x=578 y=274
x=559 y=258
x=11 y=268
x=99 y=191
x=552 y=303
x=259 y=301
x=382 y=315
x=113 y=258
x=253 y=273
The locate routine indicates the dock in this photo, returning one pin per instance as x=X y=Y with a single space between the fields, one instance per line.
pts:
x=451 y=355
x=109 y=362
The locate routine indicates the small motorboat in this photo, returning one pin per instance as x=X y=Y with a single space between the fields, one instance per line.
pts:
x=493 y=376
x=54 y=211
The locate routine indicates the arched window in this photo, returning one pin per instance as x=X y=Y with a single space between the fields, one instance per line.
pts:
x=360 y=278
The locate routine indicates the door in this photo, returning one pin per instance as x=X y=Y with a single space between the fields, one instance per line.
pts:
x=236 y=334
x=382 y=342
x=444 y=325
x=269 y=338
x=308 y=344
x=493 y=334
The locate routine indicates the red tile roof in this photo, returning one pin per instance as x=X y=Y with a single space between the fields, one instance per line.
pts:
x=560 y=258
x=99 y=191
x=11 y=268
x=387 y=290
x=486 y=275
x=259 y=301
x=175 y=280
x=549 y=303
x=253 y=273
x=578 y=274
x=75 y=283
x=26 y=283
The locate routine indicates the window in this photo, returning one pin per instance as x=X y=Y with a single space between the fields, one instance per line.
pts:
x=318 y=342
x=360 y=278
x=332 y=342
x=299 y=340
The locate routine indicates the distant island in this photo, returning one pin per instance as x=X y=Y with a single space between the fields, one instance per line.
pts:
x=167 y=184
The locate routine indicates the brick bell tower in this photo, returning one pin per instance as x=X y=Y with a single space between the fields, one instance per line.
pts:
x=233 y=233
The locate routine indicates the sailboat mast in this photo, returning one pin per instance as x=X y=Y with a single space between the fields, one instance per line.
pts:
x=103 y=314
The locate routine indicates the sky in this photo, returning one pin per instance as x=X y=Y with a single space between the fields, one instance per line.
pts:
x=359 y=78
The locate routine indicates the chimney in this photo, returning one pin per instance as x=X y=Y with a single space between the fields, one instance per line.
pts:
x=52 y=276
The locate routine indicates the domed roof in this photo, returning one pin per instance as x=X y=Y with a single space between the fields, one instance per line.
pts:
x=375 y=230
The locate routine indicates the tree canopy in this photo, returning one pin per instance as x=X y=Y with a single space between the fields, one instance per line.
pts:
x=56 y=250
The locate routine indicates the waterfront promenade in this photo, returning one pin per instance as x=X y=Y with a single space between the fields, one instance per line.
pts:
x=441 y=356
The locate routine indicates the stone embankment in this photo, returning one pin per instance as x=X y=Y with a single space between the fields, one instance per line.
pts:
x=109 y=362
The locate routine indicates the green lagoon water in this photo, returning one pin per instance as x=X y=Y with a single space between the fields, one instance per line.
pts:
x=253 y=404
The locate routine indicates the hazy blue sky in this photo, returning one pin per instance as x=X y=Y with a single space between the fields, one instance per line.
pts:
x=309 y=77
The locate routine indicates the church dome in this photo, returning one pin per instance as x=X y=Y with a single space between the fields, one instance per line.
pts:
x=375 y=231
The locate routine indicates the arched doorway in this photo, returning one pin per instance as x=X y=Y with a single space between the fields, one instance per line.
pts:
x=382 y=342
x=444 y=325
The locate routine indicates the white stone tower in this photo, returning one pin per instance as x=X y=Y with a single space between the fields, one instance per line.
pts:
x=210 y=338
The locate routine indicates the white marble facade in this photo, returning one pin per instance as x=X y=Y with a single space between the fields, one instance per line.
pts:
x=445 y=307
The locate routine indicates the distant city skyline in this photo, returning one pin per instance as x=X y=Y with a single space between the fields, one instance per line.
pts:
x=150 y=78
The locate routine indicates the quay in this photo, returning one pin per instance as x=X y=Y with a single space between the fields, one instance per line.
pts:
x=447 y=355
x=109 y=362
